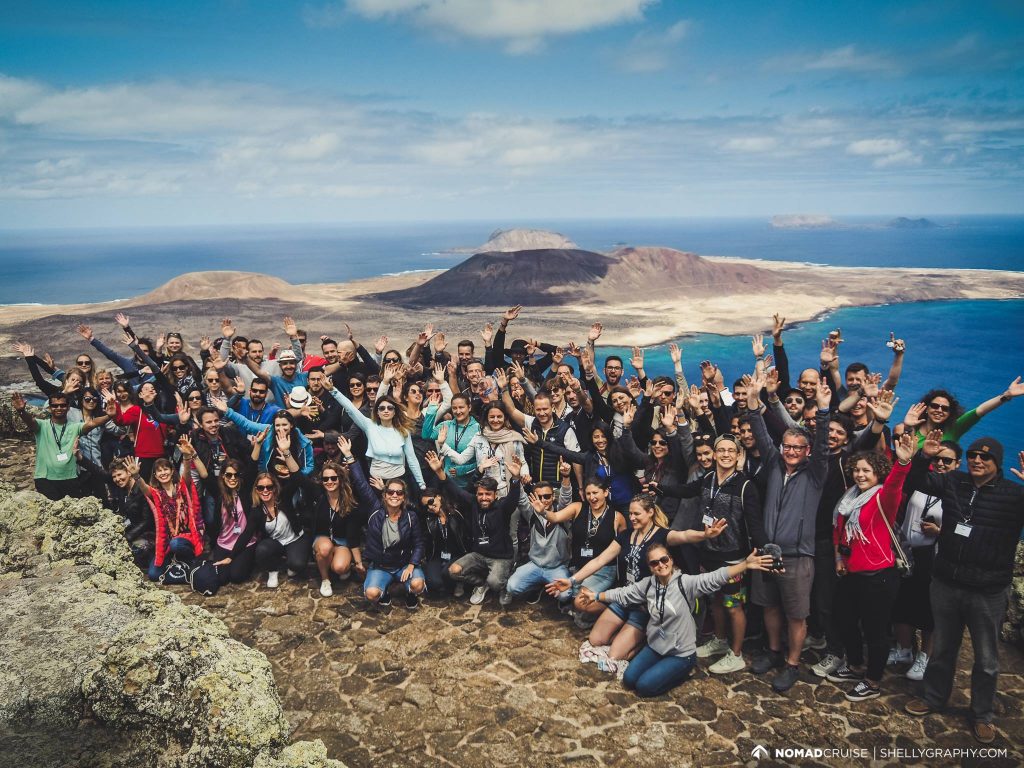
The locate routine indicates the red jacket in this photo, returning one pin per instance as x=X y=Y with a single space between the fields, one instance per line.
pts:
x=876 y=553
x=187 y=491
x=149 y=440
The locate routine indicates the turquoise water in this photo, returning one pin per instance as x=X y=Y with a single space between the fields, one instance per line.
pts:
x=971 y=348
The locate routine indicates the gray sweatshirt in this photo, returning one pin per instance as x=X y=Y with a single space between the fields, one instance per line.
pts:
x=671 y=630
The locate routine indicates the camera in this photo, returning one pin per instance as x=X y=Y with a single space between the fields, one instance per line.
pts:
x=774 y=551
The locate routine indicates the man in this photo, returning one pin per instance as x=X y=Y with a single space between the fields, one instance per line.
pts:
x=982 y=516
x=351 y=358
x=56 y=473
x=543 y=465
x=549 y=548
x=489 y=563
x=255 y=407
x=794 y=479
x=308 y=361
x=322 y=413
x=289 y=379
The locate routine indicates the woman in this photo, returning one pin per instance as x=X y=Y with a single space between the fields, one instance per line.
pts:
x=284 y=443
x=445 y=542
x=84 y=365
x=454 y=439
x=665 y=463
x=336 y=524
x=91 y=445
x=177 y=514
x=669 y=597
x=393 y=545
x=184 y=376
x=235 y=548
x=357 y=393
x=104 y=379
x=387 y=434
x=865 y=561
x=619 y=631
x=938 y=409
x=128 y=499
x=595 y=524
x=284 y=542
x=147 y=434
x=72 y=385
x=493 y=446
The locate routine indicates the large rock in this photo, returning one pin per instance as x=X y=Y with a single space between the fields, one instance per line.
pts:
x=1013 y=627
x=99 y=667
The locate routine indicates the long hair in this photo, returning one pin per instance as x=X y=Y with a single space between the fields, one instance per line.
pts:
x=955 y=409
x=157 y=466
x=265 y=476
x=650 y=463
x=90 y=380
x=649 y=503
x=225 y=492
x=613 y=452
x=294 y=448
x=400 y=423
x=345 y=495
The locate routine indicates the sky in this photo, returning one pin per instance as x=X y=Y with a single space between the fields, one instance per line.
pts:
x=207 y=112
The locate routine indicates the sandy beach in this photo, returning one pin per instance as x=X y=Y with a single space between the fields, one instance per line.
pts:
x=649 y=316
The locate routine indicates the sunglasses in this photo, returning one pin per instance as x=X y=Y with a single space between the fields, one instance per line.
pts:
x=658 y=442
x=83 y=362
x=791 y=400
x=939 y=407
x=394 y=492
x=355 y=385
x=946 y=461
x=666 y=560
x=392 y=360
x=386 y=408
x=433 y=390
x=978 y=455
x=229 y=475
x=58 y=406
x=545 y=496
x=372 y=389
x=179 y=367
x=330 y=478
x=197 y=398
x=264 y=487
x=88 y=399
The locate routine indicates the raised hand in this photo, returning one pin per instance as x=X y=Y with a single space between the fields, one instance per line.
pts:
x=757 y=344
x=778 y=324
x=675 y=353
x=557 y=356
x=425 y=335
x=637 y=360
x=756 y=562
x=823 y=394
x=348 y=330
x=572 y=350
x=828 y=357
x=121 y=319
x=434 y=461
x=440 y=344
x=1016 y=388
x=345 y=446
x=1019 y=472
x=530 y=436
x=906 y=447
x=693 y=398
x=220 y=403
x=487 y=334
x=127 y=338
x=872 y=384
x=564 y=468
x=377 y=483
x=437 y=371
x=131 y=464
x=442 y=433
x=514 y=465
x=915 y=415
x=633 y=385
x=715 y=529
x=204 y=343
x=85 y=332
x=587 y=360
x=517 y=370
x=595 y=332
x=771 y=381
x=18 y=401
x=24 y=349
x=290 y=327
x=881 y=409
x=227 y=329
x=628 y=415
x=487 y=462
x=668 y=417
x=501 y=378
x=283 y=440
x=708 y=371
x=932 y=443
x=512 y=313
x=537 y=504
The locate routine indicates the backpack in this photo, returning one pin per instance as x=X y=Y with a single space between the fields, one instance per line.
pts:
x=175 y=573
x=205 y=578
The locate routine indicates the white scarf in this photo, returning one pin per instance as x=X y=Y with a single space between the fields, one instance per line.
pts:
x=849 y=506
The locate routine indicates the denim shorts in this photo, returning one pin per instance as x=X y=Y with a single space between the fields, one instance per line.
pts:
x=381 y=579
x=339 y=542
x=599 y=582
x=635 y=617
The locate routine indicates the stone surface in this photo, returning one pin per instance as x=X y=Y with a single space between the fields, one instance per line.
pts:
x=99 y=667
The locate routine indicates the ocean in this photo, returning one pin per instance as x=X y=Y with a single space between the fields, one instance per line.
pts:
x=969 y=347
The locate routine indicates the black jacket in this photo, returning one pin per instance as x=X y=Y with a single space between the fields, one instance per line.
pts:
x=995 y=513
x=457 y=539
x=490 y=527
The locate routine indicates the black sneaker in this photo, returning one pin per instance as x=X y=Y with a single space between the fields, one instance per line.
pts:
x=862 y=692
x=766 y=661
x=534 y=597
x=412 y=602
x=385 y=599
x=844 y=675
x=786 y=679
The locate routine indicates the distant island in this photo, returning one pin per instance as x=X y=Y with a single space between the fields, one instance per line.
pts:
x=643 y=295
x=903 y=222
x=804 y=221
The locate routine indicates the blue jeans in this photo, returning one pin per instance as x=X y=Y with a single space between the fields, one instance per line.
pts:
x=381 y=579
x=651 y=674
x=529 y=576
x=179 y=548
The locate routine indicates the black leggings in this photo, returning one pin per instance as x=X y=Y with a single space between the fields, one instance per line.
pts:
x=271 y=554
x=863 y=606
x=240 y=568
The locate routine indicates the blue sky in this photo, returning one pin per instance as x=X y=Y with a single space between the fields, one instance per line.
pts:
x=239 y=111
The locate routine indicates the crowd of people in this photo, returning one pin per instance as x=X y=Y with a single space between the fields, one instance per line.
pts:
x=801 y=514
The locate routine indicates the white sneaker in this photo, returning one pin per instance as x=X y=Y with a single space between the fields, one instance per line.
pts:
x=272 y=580
x=827 y=665
x=813 y=643
x=916 y=671
x=292 y=574
x=899 y=655
x=325 y=588
x=460 y=589
x=712 y=647
x=479 y=593
x=728 y=663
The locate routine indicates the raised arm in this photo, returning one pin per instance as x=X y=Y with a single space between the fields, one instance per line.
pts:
x=20 y=407
x=1016 y=389
x=899 y=348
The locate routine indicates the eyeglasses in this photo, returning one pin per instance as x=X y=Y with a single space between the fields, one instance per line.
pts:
x=229 y=475
x=794 y=448
x=330 y=478
x=264 y=487
x=613 y=367
x=83 y=362
x=394 y=492
x=979 y=456
x=793 y=400
x=545 y=496
x=946 y=461
x=385 y=408
x=939 y=407
x=660 y=561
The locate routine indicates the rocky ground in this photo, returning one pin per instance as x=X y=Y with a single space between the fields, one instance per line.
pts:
x=453 y=684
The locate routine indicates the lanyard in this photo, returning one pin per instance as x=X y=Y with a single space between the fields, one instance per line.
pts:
x=636 y=550
x=58 y=440
x=716 y=488
x=458 y=435
x=660 y=593
x=594 y=523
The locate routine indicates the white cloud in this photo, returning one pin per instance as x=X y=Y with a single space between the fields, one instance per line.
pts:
x=652 y=51
x=521 y=24
x=870 y=147
x=844 y=59
x=751 y=144
x=314 y=148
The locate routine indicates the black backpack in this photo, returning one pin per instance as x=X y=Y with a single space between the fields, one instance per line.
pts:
x=205 y=578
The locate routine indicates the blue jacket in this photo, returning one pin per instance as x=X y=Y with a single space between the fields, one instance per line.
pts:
x=267 y=449
x=465 y=467
x=408 y=549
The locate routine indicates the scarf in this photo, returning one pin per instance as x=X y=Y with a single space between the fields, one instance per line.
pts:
x=849 y=507
x=504 y=437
